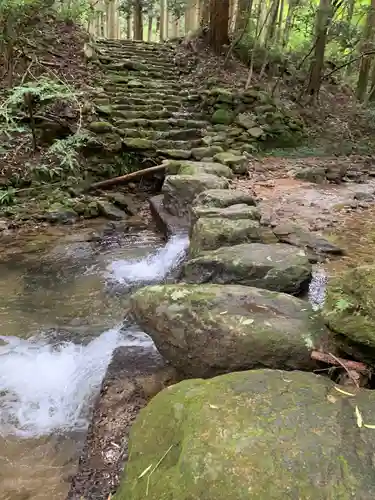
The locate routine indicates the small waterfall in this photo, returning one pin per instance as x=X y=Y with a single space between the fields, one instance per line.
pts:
x=153 y=268
x=47 y=386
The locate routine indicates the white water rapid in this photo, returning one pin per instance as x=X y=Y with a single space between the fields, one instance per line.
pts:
x=48 y=387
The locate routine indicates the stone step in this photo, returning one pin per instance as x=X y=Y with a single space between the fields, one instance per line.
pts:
x=139 y=101
x=133 y=62
x=146 y=144
x=122 y=82
x=147 y=114
x=136 y=44
x=175 y=135
x=151 y=93
x=125 y=105
x=149 y=75
x=160 y=124
x=144 y=57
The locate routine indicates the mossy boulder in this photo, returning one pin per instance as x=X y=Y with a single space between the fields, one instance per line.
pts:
x=237 y=163
x=222 y=116
x=234 y=212
x=101 y=127
x=179 y=191
x=277 y=267
x=210 y=233
x=208 y=329
x=349 y=311
x=222 y=198
x=197 y=167
x=255 y=435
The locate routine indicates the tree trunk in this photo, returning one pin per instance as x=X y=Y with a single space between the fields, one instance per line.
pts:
x=129 y=26
x=204 y=12
x=323 y=18
x=138 y=20
x=190 y=16
x=272 y=26
x=280 y=23
x=367 y=44
x=162 y=20
x=218 y=28
x=149 y=28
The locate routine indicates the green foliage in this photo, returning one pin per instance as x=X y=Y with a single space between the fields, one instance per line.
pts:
x=7 y=196
x=66 y=151
x=77 y=11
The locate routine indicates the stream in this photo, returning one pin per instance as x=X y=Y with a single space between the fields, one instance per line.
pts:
x=61 y=311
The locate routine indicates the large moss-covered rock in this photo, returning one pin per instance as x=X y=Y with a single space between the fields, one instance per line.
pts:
x=222 y=116
x=188 y=167
x=349 y=311
x=256 y=435
x=209 y=233
x=180 y=190
x=277 y=267
x=208 y=329
x=234 y=212
x=223 y=198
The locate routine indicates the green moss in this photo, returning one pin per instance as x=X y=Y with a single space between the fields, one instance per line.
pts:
x=350 y=305
x=222 y=116
x=260 y=435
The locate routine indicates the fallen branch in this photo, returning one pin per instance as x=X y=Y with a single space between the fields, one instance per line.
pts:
x=125 y=178
x=345 y=363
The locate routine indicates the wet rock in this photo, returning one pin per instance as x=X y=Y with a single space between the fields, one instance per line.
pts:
x=61 y=215
x=180 y=190
x=235 y=432
x=234 y=212
x=349 y=311
x=208 y=329
x=296 y=235
x=364 y=196
x=212 y=233
x=311 y=174
x=222 y=198
x=277 y=267
x=108 y=210
x=237 y=163
x=134 y=376
x=124 y=202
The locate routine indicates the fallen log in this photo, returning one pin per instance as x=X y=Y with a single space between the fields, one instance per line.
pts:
x=124 y=178
x=345 y=363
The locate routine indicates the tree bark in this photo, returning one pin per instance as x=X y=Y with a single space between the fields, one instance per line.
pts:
x=138 y=19
x=368 y=37
x=323 y=18
x=162 y=20
x=149 y=27
x=218 y=27
x=129 y=26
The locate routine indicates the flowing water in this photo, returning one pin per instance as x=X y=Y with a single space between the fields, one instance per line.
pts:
x=61 y=312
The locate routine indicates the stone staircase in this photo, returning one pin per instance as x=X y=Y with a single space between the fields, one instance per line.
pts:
x=148 y=101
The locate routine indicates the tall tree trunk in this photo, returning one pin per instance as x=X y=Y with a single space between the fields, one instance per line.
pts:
x=371 y=96
x=190 y=16
x=149 y=27
x=272 y=26
x=138 y=19
x=204 y=12
x=367 y=44
x=218 y=28
x=323 y=18
x=129 y=26
x=162 y=20
x=279 y=31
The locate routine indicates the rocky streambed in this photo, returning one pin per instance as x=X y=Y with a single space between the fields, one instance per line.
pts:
x=253 y=410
